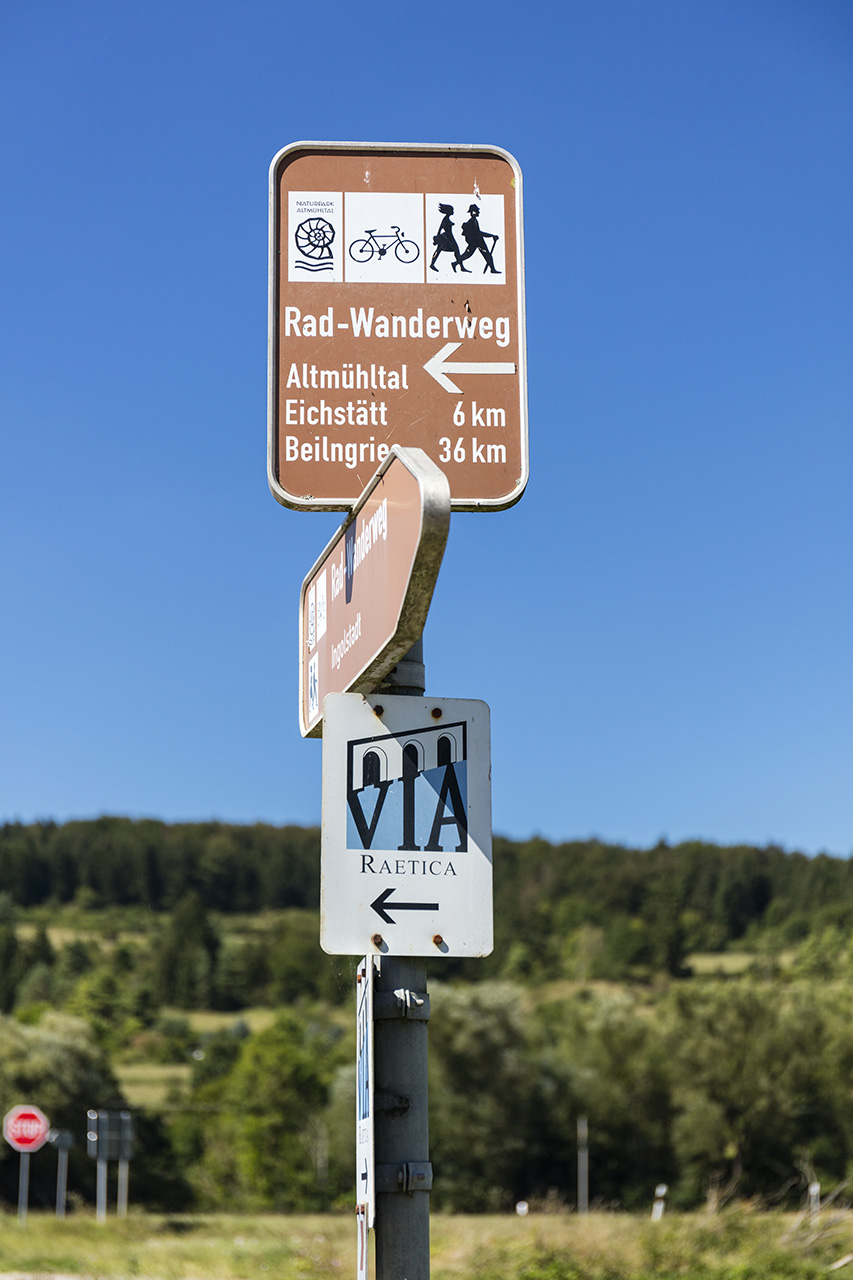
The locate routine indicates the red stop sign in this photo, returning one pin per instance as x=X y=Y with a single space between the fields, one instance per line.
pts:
x=25 y=1128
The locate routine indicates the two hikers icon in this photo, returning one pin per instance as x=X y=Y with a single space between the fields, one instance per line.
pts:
x=445 y=241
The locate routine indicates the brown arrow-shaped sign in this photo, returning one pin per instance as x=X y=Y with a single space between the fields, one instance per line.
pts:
x=365 y=602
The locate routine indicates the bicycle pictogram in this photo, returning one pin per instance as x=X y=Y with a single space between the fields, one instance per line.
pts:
x=364 y=250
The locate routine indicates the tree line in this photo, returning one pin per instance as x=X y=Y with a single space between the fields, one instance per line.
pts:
x=114 y=861
x=582 y=907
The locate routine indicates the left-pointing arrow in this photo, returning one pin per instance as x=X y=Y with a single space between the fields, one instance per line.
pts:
x=438 y=366
x=379 y=904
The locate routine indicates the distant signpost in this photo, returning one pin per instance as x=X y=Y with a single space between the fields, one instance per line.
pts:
x=110 y=1137
x=25 y=1128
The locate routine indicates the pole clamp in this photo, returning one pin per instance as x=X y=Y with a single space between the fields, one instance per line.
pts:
x=401 y=1004
x=416 y=1175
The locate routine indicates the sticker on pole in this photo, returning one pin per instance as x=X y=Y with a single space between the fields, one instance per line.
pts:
x=26 y=1128
x=406 y=866
x=365 y=1164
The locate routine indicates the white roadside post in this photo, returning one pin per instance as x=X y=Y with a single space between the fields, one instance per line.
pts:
x=96 y=1145
x=660 y=1201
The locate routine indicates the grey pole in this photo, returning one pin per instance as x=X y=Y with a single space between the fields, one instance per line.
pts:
x=23 y=1186
x=121 y=1199
x=583 y=1165
x=61 y=1180
x=409 y=675
x=101 y=1214
x=401 y=1120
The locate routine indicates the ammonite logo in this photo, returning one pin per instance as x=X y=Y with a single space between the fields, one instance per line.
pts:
x=314 y=238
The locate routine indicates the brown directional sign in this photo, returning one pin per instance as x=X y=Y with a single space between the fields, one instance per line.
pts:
x=396 y=316
x=365 y=602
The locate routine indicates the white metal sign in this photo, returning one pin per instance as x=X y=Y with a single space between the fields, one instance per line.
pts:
x=365 y=1182
x=406 y=865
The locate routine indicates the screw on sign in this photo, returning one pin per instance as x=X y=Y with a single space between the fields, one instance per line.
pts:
x=26 y=1128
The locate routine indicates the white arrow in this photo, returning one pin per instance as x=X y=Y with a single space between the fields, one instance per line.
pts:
x=438 y=366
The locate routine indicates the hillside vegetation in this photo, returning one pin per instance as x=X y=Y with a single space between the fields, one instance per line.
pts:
x=694 y=1002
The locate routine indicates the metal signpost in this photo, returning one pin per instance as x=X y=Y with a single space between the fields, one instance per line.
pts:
x=396 y=316
x=583 y=1164
x=364 y=603
x=396 y=392
x=110 y=1137
x=25 y=1128
x=62 y=1140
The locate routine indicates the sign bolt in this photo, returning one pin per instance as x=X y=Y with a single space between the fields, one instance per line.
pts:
x=436 y=713
x=438 y=940
x=377 y=939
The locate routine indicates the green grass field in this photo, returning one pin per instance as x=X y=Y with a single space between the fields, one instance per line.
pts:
x=151 y=1085
x=738 y=1244
x=205 y=1020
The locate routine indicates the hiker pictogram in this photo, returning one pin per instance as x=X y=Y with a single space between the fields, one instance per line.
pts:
x=445 y=241
x=475 y=238
x=461 y=226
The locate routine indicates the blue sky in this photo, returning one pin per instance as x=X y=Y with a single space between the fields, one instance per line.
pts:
x=662 y=626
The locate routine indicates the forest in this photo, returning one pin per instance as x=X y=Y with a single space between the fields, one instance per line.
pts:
x=694 y=1002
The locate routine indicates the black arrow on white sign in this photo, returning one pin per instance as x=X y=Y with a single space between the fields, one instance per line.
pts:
x=380 y=903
